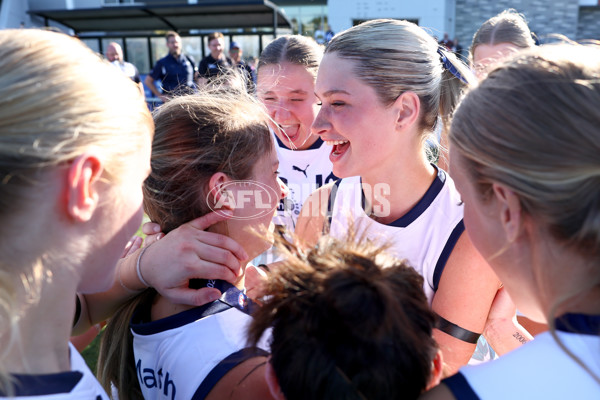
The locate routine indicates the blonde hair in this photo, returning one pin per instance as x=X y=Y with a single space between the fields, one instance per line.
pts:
x=507 y=27
x=394 y=57
x=57 y=100
x=532 y=125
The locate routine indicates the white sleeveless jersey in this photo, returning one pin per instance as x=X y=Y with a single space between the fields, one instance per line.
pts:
x=79 y=383
x=425 y=236
x=183 y=356
x=539 y=369
x=303 y=171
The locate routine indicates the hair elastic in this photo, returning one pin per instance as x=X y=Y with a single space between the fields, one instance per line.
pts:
x=449 y=66
x=456 y=331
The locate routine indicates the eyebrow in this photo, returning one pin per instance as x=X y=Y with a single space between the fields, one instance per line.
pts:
x=297 y=91
x=334 y=91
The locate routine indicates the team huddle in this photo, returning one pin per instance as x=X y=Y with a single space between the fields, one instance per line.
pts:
x=373 y=219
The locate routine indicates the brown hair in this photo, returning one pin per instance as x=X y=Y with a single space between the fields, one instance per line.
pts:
x=215 y=35
x=294 y=49
x=171 y=34
x=348 y=322
x=218 y=130
x=507 y=27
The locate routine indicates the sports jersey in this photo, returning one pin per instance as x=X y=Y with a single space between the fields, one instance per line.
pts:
x=183 y=356
x=303 y=171
x=424 y=236
x=79 y=383
x=540 y=369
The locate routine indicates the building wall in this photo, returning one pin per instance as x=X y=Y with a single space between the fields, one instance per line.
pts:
x=544 y=17
x=589 y=23
x=430 y=14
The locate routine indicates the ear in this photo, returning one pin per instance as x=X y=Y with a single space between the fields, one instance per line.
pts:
x=408 y=106
x=219 y=194
x=437 y=369
x=509 y=208
x=82 y=190
x=272 y=381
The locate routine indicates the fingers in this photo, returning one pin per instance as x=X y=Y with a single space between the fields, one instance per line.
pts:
x=150 y=228
x=210 y=219
x=132 y=246
x=153 y=238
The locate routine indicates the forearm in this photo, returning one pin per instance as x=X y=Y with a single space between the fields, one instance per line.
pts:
x=98 y=307
x=505 y=335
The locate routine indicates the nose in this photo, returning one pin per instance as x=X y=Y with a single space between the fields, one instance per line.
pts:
x=279 y=112
x=283 y=188
x=320 y=124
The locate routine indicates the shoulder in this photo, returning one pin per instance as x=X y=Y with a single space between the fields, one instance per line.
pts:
x=313 y=215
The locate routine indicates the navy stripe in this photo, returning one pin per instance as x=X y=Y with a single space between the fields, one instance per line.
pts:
x=313 y=146
x=331 y=201
x=579 y=323
x=441 y=262
x=460 y=388
x=222 y=368
x=44 y=385
x=140 y=327
x=419 y=208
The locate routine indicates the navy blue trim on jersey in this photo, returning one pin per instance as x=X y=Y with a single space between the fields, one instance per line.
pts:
x=231 y=297
x=434 y=189
x=579 y=323
x=445 y=255
x=223 y=367
x=331 y=201
x=45 y=385
x=460 y=388
x=313 y=146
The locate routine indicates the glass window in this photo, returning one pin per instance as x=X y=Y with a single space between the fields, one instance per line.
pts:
x=137 y=54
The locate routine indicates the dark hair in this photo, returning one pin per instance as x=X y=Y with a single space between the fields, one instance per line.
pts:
x=349 y=322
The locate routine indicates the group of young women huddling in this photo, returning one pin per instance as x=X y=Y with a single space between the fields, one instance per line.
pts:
x=383 y=274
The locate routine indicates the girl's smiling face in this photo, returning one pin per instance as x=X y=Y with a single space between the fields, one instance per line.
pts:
x=287 y=91
x=353 y=120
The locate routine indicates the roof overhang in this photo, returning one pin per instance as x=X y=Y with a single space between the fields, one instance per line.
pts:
x=206 y=15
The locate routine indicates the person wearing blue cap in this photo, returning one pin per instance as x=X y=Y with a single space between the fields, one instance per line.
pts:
x=235 y=53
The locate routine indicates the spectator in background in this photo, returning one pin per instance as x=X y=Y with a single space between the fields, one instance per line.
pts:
x=114 y=54
x=216 y=63
x=175 y=70
x=235 y=53
x=329 y=35
x=446 y=42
